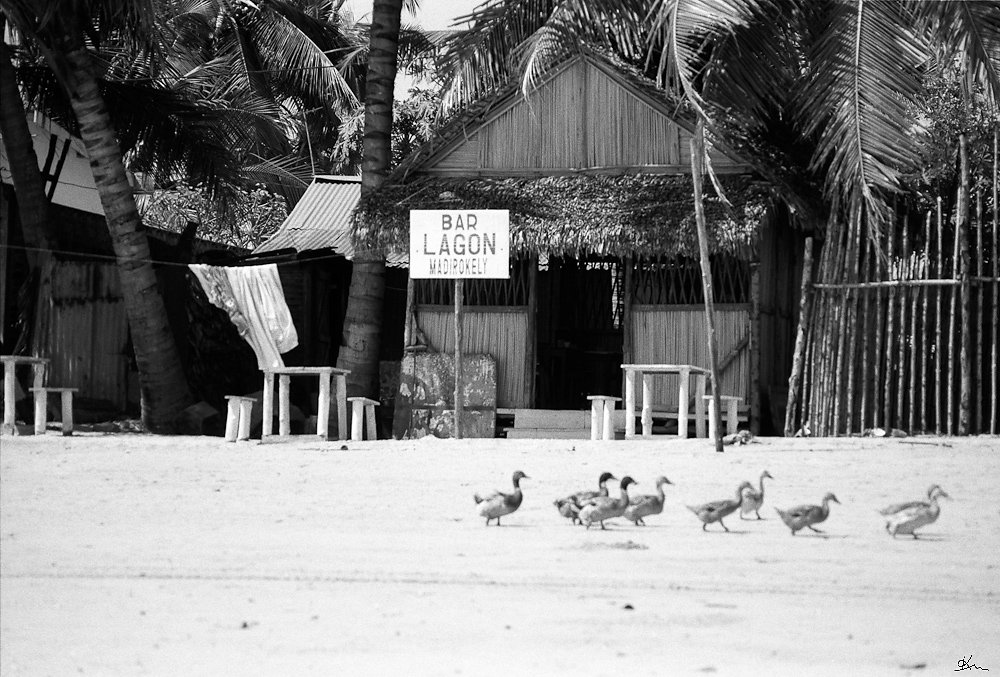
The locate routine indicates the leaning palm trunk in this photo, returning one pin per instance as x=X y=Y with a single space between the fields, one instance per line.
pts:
x=29 y=185
x=162 y=383
x=363 y=320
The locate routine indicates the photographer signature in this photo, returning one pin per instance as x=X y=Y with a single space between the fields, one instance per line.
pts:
x=967 y=664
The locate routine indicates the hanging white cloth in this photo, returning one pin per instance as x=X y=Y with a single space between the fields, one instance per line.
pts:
x=253 y=298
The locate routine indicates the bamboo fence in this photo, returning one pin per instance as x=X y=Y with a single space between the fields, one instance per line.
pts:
x=899 y=331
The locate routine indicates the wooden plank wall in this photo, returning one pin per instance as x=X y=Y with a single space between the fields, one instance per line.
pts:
x=87 y=331
x=676 y=335
x=500 y=334
x=581 y=118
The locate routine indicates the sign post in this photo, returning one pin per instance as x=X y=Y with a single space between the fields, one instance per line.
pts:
x=459 y=244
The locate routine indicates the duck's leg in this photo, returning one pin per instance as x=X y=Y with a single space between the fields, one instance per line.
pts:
x=758 y=514
x=914 y=534
x=603 y=528
x=723 y=525
x=704 y=526
x=814 y=528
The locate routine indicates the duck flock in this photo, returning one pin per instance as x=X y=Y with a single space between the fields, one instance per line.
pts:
x=591 y=507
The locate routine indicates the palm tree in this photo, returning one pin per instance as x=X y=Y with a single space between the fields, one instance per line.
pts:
x=60 y=30
x=817 y=91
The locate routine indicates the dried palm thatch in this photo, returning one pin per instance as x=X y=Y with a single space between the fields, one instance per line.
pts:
x=577 y=215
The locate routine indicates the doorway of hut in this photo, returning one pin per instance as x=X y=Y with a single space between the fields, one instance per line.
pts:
x=580 y=335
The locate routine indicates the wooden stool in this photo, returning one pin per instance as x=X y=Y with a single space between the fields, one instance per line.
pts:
x=238 y=416
x=602 y=408
x=732 y=413
x=362 y=406
x=42 y=408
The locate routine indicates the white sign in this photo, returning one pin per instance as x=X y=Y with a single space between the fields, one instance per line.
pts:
x=459 y=243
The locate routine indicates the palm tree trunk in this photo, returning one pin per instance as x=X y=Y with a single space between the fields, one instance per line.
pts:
x=29 y=185
x=162 y=383
x=363 y=320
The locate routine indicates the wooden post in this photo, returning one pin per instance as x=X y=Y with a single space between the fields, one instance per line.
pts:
x=848 y=327
x=323 y=407
x=284 y=413
x=629 y=403
x=9 y=395
x=949 y=428
x=904 y=274
x=996 y=284
x=341 y=380
x=41 y=409
x=925 y=295
x=754 y=347
x=408 y=324
x=865 y=331
x=697 y=158
x=531 y=350
x=890 y=333
x=232 y=419
x=459 y=291
x=628 y=356
x=938 y=343
x=267 y=405
x=965 y=396
x=67 y=410
x=877 y=410
x=798 y=355
x=977 y=363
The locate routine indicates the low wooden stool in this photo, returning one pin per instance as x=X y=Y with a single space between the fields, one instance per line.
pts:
x=602 y=408
x=732 y=413
x=362 y=406
x=238 y=416
x=42 y=408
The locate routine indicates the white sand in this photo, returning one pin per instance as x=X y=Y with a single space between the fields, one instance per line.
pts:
x=140 y=555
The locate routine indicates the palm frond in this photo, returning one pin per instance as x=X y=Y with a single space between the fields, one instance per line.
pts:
x=865 y=74
x=286 y=176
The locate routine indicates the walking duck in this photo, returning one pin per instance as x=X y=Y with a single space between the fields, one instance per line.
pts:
x=643 y=506
x=802 y=516
x=569 y=506
x=752 y=500
x=496 y=505
x=714 y=511
x=906 y=518
x=603 y=508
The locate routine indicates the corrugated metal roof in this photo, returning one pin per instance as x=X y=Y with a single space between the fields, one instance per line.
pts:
x=321 y=219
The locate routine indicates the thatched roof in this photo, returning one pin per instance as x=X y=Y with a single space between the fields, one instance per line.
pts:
x=633 y=215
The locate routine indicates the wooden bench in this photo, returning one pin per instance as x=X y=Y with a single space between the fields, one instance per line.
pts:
x=238 y=416
x=732 y=403
x=602 y=408
x=42 y=408
x=362 y=407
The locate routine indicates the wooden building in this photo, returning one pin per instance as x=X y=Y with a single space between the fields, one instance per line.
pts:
x=594 y=167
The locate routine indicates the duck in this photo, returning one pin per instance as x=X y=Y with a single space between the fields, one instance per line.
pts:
x=714 y=511
x=570 y=505
x=906 y=518
x=603 y=508
x=643 y=506
x=802 y=516
x=752 y=500
x=496 y=505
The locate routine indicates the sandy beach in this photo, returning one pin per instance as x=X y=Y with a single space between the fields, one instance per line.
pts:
x=131 y=554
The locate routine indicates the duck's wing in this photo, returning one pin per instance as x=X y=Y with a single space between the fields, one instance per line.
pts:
x=643 y=500
x=489 y=497
x=582 y=497
x=800 y=512
x=900 y=507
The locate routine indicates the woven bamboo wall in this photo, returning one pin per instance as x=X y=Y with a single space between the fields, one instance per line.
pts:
x=581 y=118
x=676 y=335
x=87 y=332
x=500 y=334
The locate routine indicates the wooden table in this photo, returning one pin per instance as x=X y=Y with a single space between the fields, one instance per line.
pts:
x=646 y=372
x=284 y=375
x=10 y=362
